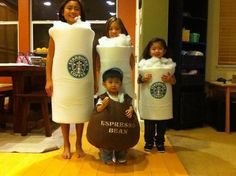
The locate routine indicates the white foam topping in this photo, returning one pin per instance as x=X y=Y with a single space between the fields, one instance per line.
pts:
x=121 y=40
x=155 y=62
x=78 y=23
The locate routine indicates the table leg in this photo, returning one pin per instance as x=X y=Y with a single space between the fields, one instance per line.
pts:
x=227 y=110
x=18 y=87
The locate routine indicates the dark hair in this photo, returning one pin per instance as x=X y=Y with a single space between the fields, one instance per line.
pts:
x=146 y=52
x=112 y=73
x=119 y=22
x=61 y=11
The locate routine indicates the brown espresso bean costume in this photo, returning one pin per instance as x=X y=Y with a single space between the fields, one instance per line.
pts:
x=111 y=129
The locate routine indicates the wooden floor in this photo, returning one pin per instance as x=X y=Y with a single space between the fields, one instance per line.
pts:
x=139 y=163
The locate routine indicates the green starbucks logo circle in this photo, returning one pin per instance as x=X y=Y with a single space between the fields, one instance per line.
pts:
x=78 y=66
x=158 y=90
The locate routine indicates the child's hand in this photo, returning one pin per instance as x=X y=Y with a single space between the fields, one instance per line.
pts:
x=129 y=112
x=49 y=88
x=105 y=102
x=146 y=77
x=168 y=78
x=103 y=105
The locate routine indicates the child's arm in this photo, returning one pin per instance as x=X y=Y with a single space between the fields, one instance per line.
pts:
x=96 y=73
x=132 y=62
x=101 y=106
x=168 y=78
x=129 y=112
x=49 y=62
x=132 y=66
x=145 y=78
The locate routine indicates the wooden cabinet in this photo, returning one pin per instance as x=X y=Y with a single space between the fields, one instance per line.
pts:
x=187 y=36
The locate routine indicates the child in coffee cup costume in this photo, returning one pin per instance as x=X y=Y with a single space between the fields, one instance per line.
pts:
x=115 y=50
x=156 y=77
x=69 y=77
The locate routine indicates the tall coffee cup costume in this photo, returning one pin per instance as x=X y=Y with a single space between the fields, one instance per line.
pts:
x=155 y=101
x=116 y=52
x=111 y=129
x=72 y=72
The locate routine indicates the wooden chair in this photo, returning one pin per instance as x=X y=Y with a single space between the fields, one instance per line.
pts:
x=6 y=88
x=39 y=97
x=5 y=108
x=2 y=112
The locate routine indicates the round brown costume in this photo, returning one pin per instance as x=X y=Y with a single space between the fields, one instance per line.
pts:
x=111 y=129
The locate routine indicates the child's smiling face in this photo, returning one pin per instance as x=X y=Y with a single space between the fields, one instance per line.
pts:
x=114 y=30
x=71 y=10
x=157 y=50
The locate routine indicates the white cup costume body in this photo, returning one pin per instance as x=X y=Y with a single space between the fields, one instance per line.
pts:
x=116 y=52
x=155 y=101
x=72 y=72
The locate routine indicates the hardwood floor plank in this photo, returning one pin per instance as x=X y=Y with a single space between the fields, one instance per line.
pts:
x=38 y=165
x=19 y=161
x=72 y=167
x=139 y=163
x=106 y=170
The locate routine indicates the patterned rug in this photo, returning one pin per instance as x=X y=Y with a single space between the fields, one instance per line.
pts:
x=34 y=142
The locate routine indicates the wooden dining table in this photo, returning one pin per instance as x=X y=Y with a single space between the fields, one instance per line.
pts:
x=19 y=73
x=229 y=88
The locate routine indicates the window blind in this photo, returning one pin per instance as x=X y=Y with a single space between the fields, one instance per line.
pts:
x=227 y=33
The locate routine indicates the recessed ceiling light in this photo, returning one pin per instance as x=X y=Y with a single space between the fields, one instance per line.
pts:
x=112 y=13
x=110 y=3
x=47 y=3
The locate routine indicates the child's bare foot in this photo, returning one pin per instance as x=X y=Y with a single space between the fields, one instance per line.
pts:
x=79 y=150
x=66 y=153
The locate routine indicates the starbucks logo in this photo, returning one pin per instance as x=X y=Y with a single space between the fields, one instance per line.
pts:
x=78 y=66
x=158 y=90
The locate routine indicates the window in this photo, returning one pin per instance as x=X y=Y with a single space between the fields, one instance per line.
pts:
x=40 y=33
x=97 y=12
x=227 y=33
x=8 y=30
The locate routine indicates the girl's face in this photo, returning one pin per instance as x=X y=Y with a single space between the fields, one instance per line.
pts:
x=71 y=10
x=114 y=30
x=157 y=50
x=112 y=85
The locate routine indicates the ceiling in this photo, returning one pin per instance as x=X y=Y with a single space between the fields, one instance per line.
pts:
x=94 y=9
